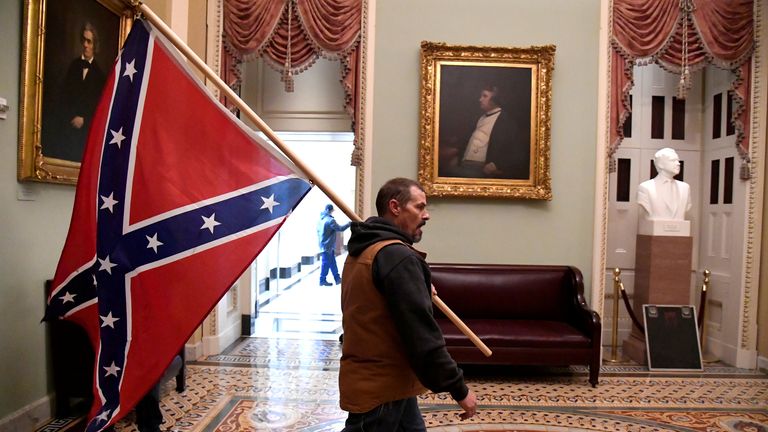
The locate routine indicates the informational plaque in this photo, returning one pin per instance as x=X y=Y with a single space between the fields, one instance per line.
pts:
x=672 y=338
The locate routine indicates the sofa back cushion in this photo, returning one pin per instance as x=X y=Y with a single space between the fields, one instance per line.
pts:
x=536 y=292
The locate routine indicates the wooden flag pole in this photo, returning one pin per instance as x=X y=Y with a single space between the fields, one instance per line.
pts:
x=244 y=108
x=460 y=324
x=263 y=127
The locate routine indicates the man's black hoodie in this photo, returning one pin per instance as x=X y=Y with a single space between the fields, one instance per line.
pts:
x=403 y=278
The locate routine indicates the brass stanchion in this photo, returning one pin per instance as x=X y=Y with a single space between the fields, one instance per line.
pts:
x=705 y=357
x=615 y=325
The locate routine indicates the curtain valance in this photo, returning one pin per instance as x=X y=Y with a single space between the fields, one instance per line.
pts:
x=291 y=35
x=681 y=35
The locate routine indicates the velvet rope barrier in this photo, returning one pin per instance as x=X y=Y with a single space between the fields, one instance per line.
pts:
x=703 y=300
x=629 y=309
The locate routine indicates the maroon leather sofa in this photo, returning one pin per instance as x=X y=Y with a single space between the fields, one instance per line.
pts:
x=526 y=314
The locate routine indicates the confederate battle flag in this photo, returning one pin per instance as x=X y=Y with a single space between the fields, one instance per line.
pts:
x=175 y=199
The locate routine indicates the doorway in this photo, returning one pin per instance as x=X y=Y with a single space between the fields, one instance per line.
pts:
x=288 y=299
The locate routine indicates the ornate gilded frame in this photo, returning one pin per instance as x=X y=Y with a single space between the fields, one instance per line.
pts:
x=33 y=164
x=452 y=73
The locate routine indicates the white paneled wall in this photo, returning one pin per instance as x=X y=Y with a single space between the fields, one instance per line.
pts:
x=717 y=226
x=723 y=225
x=636 y=155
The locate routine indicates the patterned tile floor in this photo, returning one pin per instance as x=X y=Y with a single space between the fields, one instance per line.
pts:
x=290 y=385
x=300 y=308
x=286 y=380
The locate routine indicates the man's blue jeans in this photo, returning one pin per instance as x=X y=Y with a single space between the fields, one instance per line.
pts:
x=328 y=262
x=400 y=415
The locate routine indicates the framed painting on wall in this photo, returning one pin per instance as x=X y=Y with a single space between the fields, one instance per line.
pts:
x=485 y=121
x=68 y=50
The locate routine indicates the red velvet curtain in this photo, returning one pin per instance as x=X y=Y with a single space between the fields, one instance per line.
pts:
x=645 y=31
x=316 y=28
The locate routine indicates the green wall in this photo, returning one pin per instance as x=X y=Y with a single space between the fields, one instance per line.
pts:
x=31 y=237
x=461 y=230
x=496 y=231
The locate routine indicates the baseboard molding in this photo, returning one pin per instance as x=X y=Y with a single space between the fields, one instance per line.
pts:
x=28 y=418
x=746 y=359
x=247 y=325
x=214 y=345
x=762 y=363
x=289 y=271
x=193 y=351
x=723 y=352
x=264 y=285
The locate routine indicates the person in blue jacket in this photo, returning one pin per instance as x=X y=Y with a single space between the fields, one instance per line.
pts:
x=326 y=234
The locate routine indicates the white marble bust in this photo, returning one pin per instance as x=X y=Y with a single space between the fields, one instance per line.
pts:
x=663 y=197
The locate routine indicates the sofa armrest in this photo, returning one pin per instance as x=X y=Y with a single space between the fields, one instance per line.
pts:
x=584 y=318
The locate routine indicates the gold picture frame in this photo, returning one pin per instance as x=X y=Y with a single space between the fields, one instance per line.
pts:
x=485 y=121
x=54 y=41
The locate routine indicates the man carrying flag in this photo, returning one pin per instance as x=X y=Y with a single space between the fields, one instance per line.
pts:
x=175 y=199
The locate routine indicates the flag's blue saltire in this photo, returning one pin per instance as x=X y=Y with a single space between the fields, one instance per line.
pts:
x=175 y=199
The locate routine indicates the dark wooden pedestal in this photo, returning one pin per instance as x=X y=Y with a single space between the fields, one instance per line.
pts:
x=662 y=277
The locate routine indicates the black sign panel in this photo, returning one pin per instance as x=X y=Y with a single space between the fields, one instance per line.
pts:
x=672 y=338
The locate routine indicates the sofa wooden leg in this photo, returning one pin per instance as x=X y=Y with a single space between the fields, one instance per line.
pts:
x=594 y=370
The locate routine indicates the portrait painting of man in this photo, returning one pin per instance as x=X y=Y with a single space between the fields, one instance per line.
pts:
x=485 y=122
x=81 y=44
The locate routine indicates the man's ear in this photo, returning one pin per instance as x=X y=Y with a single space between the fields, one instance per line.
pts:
x=394 y=207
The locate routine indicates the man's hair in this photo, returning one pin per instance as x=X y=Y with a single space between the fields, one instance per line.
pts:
x=329 y=208
x=89 y=27
x=399 y=189
x=494 y=91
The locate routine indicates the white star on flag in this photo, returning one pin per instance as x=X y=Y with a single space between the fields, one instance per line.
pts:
x=117 y=137
x=94 y=280
x=153 y=242
x=130 y=70
x=109 y=320
x=105 y=264
x=166 y=114
x=109 y=202
x=68 y=297
x=111 y=370
x=269 y=203
x=210 y=222
x=104 y=415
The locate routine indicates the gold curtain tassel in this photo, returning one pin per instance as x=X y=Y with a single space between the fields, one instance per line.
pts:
x=287 y=77
x=744 y=172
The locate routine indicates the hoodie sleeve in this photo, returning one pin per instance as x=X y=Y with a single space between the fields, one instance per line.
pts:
x=336 y=227
x=400 y=276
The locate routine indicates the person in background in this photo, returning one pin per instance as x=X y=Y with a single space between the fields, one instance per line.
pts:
x=393 y=347
x=326 y=234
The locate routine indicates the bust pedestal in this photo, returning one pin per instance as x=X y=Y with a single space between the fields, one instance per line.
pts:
x=664 y=227
x=662 y=273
